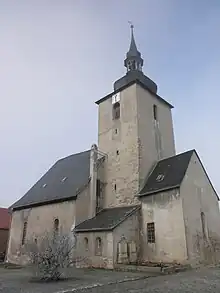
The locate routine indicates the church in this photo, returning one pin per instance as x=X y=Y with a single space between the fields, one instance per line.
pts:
x=130 y=199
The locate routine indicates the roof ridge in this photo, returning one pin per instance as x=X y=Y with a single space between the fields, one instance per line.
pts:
x=76 y=154
x=177 y=155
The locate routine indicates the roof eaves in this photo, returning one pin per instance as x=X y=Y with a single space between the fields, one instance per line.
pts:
x=76 y=154
x=33 y=205
x=129 y=84
x=159 y=190
x=93 y=230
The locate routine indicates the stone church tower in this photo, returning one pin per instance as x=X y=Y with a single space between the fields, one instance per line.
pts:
x=135 y=131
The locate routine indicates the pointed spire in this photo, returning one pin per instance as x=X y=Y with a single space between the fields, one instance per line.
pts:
x=133 y=60
x=133 y=48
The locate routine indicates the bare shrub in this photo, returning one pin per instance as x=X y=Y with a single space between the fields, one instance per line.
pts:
x=50 y=254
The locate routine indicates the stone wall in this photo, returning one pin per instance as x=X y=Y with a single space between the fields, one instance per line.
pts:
x=86 y=252
x=150 y=131
x=82 y=206
x=199 y=197
x=119 y=140
x=39 y=220
x=165 y=211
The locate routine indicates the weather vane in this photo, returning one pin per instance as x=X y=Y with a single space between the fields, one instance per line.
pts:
x=131 y=24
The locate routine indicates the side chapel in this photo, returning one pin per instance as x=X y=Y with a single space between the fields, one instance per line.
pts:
x=131 y=198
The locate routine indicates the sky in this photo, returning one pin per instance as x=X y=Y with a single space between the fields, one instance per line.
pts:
x=57 y=57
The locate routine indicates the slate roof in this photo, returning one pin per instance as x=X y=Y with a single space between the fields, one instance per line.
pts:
x=107 y=219
x=5 y=219
x=61 y=182
x=171 y=172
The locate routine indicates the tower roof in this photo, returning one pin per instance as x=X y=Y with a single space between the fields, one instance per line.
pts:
x=133 y=61
x=133 y=51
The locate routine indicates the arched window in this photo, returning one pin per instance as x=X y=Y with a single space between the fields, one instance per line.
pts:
x=116 y=111
x=133 y=67
x=24 y=233
x=56 y=225
x=129 y=67
x=86 y=243
x=98 y=246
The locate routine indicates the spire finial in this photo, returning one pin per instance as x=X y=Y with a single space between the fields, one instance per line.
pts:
x=131 y=26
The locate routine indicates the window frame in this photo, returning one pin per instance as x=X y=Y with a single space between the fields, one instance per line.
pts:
x=56 y=225
x=98 y=246
x=86 y=243
x=24 y=233
x=116 y=109
x=151 y=237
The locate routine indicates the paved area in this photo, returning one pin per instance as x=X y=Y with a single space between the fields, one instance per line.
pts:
x=101 y=281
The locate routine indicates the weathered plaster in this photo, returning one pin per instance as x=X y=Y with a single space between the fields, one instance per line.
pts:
x=165 y=210
x=198 y=196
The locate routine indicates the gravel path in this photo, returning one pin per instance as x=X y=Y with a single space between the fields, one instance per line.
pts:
x=204 y=280
x=101 y=281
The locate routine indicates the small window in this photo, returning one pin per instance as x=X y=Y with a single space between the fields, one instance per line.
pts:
x=98 y=246
x=24 y=233
x=133 y=65
x=129 y=65
x=155 y=112
x=115 y=186
x=86 y=243
x=150 y=233
x=116 y=111
x=116 y=131
x=56 y=225
x=117 y=152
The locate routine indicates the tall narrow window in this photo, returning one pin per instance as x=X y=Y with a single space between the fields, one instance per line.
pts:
x=150 y=232
x=56 y=225
x=24 y=233
x=98 y=246
x=86 y=243
x=155 y=112
x=116 y=111
x=203 y=225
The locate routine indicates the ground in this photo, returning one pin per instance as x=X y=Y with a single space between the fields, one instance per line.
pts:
x=103 y=281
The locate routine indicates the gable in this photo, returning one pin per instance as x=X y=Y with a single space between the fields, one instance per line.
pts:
x=199 y=174
x=167 y=174
x=61 y=182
